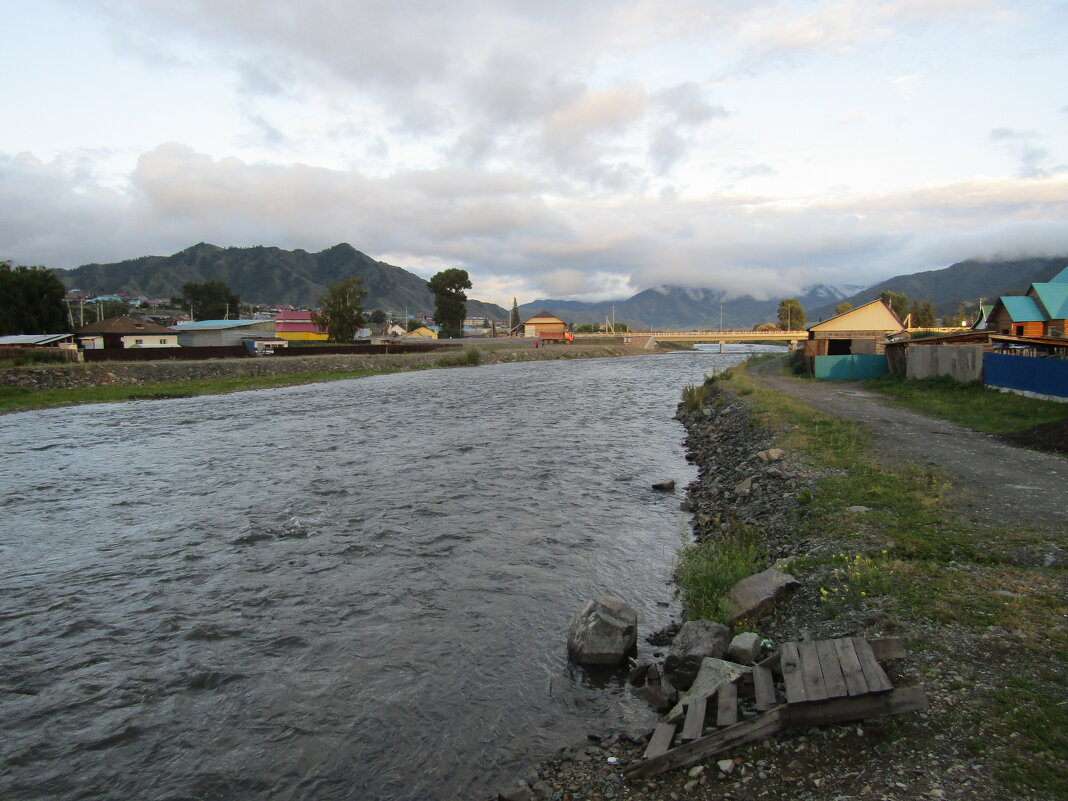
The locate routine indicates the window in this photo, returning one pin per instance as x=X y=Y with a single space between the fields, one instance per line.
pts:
x=139 y=342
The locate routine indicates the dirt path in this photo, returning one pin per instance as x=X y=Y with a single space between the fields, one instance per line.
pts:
x=996 y=483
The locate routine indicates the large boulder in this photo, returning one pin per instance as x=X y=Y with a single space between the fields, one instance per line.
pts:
x=603 y=633
x=754 y=597
x=696 y=640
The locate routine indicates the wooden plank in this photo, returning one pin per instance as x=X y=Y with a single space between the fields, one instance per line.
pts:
x=660 y=742
x=811 y=670
x=694 y=726
x=764 y=688
x=748 y=731
x=874 y=675
x=888 y=648
x=773 y=662
x=851 y=672
x=727 y=702
x=844 y=710
x=832 y=671
x=791 y=674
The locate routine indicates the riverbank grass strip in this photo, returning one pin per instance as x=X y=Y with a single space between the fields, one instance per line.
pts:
x=912 y=563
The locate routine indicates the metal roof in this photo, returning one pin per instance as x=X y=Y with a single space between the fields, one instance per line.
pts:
x=1054 y=297
x=209 y=325
x=32 y=339
x=1061 y=277
x=1022 y=309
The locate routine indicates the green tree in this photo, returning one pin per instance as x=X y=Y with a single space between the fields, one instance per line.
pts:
x=208 y=300
x=378 y=319
x=897 y=301
x=450 y=300
x=791 y=315
x=31 y=301
x=922 y=313
x=341 y=310
x=843 y=307
x=413 y=324
x=513 y=318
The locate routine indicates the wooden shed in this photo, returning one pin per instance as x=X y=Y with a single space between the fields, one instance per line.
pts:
x=863 y=330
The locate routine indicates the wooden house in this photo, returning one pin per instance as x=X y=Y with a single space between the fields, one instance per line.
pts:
x=1041 y=312
x=126 y=332
x=863 y=330
x=544 y=325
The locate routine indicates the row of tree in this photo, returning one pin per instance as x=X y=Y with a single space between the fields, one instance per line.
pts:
x=31 y=301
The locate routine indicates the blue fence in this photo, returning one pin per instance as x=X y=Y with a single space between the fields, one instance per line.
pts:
x=1026 y=373
x=846 y=368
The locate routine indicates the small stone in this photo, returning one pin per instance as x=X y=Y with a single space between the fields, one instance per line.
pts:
x=664 y=486
x=744 y=486
x=726 y=766
x=771 y=455
x=858 y=509
x=690 y=785
x=696 y=771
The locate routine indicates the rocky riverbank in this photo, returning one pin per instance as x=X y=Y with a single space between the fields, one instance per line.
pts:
x=743 y=480
x=74 y=376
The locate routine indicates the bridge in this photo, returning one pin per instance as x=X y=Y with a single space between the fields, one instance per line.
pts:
x=722 y=337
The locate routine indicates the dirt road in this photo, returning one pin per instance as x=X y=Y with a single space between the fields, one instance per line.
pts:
x=996 y=483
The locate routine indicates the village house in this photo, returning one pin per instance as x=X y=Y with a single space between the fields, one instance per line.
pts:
x=543 y=326
x=1041 y=312
x=422 y=332
x=297 y=325
x=125 y=332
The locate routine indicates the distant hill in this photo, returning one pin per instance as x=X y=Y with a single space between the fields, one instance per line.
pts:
x=267 y=275
x=961 y=283
x=676 y=307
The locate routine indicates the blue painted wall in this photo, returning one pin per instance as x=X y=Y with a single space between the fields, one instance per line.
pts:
x=1027 y=373
x=849 y=368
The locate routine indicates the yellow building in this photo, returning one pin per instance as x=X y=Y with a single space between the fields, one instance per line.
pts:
x=544 y=326
x=422 y=332
x=860 y=330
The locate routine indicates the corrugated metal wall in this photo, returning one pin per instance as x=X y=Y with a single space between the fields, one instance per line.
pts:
x=1043 y=376
x=846 y=368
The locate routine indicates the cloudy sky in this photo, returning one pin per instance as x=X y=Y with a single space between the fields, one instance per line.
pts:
x=553 y=149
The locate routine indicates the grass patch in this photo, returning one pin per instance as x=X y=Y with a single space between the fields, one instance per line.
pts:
x=693 y=397
x=468 y=357
x=971 y=405
x=706 y=570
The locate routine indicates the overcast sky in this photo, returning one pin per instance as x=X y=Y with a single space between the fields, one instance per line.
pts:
x=583 y=149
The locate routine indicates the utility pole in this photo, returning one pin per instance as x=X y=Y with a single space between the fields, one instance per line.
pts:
x=721 y=317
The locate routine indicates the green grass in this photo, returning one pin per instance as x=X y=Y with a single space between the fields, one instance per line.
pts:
x=706 y=570
x=971 y=405
x=914 y=563
x=20 y=398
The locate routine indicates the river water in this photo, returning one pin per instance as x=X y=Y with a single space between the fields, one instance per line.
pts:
x=352 y=590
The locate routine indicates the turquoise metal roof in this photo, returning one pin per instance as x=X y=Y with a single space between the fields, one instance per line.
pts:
x=200 y=325
x=1022 y=309
x=1055 y=298
x=1061 y=277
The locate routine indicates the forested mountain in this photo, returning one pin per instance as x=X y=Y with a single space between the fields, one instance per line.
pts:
x=963 y=283
x=676 y=307
x=267 y=275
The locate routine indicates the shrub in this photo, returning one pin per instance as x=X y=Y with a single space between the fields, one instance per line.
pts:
x=693 y=397
x=706 y=570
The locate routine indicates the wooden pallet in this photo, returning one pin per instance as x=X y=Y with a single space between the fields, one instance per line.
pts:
x=825 y=681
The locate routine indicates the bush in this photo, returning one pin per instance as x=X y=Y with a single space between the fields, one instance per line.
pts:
x=39 y=356
x=468 y=357
x=693 y=397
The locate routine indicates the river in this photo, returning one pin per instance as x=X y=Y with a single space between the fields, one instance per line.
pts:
x=350 y=590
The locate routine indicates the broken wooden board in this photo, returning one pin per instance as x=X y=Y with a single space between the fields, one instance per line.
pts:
x=839 y=710
x=748 y=731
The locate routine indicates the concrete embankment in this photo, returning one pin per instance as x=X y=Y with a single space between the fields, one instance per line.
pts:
x=71 y=376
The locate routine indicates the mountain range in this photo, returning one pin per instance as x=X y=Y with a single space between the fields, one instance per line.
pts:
x=273 y=275
x=267 y=275
x=960 y=284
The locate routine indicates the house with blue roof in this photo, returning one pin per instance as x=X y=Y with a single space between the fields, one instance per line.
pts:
x=1041 y=312
x=216 y=333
